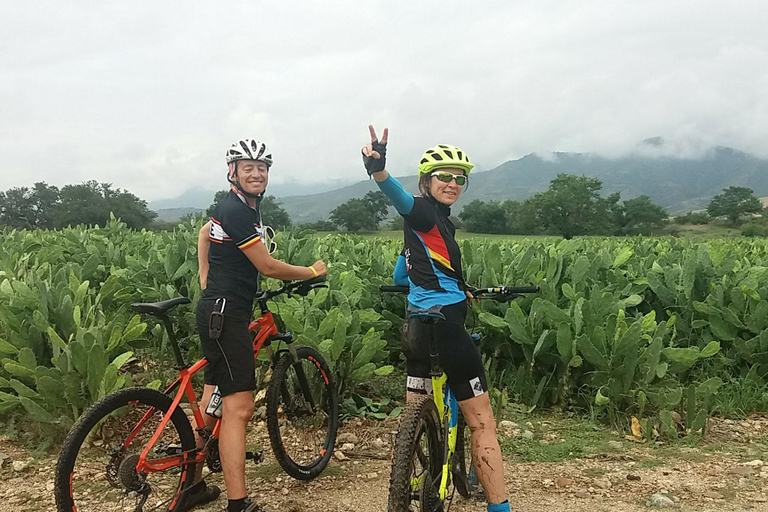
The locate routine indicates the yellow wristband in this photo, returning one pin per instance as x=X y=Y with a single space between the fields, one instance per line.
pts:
x=313 y=270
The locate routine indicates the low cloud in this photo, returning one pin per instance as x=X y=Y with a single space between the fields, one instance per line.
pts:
x=149 y=96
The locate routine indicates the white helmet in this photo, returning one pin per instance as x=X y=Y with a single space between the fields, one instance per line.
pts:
x=249 y=149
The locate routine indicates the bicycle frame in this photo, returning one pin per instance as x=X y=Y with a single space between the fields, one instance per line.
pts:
x=448 y=412
x=264 y=328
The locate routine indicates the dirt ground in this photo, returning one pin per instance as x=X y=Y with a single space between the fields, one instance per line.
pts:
x=727 y=472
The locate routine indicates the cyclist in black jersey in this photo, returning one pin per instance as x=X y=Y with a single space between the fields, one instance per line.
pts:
x=432 y=261
x=231 y=254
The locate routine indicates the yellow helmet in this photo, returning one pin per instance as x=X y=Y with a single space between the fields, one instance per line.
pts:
x=444 y=155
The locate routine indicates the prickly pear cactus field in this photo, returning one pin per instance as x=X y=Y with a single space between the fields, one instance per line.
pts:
x=649 y=328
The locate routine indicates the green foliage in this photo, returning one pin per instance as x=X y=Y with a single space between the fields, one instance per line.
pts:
x=571 y=206
x=621 y=326
x=321 y=225
x=361 y=214
x=89 y=203
x=734 y=203
x=481 y=217
x=756 y=227
x=66 y=333
x=357 y=405
x=693 y=218
x=642 y=217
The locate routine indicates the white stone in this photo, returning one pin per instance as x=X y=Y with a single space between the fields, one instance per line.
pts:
x=20 y=465
x=659 y=500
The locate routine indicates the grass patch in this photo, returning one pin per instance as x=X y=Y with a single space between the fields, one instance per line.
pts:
x=738 y=397
x=556 y=439
x=651 y=463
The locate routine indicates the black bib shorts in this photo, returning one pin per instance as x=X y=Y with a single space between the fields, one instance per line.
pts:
x=459 y=356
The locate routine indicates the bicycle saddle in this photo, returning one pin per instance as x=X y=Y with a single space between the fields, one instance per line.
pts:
x=430 y=315
x=159 y=308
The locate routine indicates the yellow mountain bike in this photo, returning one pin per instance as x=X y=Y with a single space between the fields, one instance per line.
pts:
x=432 y=458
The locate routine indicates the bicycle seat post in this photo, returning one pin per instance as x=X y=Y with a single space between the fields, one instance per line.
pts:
x=174 y=344
x=434 y=357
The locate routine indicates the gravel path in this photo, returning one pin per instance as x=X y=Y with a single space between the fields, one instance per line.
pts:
x=696 y=479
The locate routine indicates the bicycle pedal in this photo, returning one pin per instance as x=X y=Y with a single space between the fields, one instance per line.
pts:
x=256 y=457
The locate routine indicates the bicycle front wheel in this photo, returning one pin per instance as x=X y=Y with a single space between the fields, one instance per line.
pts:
x=416 y=466
x=302 y=413
x=96 y=470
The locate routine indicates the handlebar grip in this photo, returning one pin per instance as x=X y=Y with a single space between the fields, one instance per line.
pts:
x=394 y=289
x=314 y=280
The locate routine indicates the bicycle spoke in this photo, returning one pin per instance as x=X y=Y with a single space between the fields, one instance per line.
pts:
x=302 y=414
x=103 y=457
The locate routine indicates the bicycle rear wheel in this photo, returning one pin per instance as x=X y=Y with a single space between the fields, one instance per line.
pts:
x=416 y=466
x=302 y=413
x=96 y=470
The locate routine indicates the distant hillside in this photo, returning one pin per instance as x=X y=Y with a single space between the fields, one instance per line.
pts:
x=677 y=184
x=202 y=198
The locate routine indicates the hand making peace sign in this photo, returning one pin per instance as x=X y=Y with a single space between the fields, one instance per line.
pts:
x=375 y=153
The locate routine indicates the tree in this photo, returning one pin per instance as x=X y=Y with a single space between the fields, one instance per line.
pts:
x=91 y=203
x=642 y=217
x=521 y=218
x=361 y=214
x=273 y=214
x=573 y=206
x=482 y=217
x=29 y=208
x=397 y=223
x=217 y=198
x=16 y=210
x=733 y=203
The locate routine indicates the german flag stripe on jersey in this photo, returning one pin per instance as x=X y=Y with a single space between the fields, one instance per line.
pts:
x=436 y=247
x=247 y=243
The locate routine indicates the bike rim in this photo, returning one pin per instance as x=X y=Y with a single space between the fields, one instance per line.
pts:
x=424 y=467
x=104 y=477
x=305 y=432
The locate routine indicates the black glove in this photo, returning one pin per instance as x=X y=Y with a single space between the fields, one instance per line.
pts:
x=372 y=164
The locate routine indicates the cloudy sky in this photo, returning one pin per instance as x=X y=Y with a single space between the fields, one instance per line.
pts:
x=148 y=95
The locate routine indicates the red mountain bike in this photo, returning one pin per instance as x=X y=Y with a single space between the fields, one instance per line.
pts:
x=135 y=449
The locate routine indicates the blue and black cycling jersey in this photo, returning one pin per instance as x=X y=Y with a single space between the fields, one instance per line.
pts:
x=432 y=256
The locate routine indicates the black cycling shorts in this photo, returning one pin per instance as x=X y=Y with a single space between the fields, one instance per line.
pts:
x=230 y=358
x=459 y=356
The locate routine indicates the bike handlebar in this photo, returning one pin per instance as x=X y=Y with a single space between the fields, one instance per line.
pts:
x=497 y=293
x=497 y=290
x=293 y=288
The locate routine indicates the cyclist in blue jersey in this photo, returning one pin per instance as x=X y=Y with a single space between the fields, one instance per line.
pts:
x=432 y=260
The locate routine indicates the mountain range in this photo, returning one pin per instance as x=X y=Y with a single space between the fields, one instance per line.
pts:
x=678 y=184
